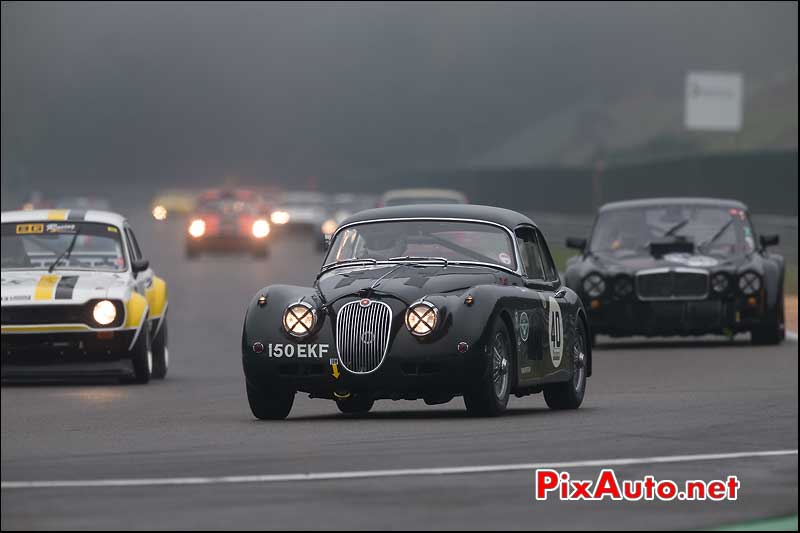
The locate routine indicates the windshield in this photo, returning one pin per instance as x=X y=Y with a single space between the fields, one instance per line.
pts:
x=228 y=206
x=467 y=242
x=713 y=230
x=419 y=200
x=37 y=245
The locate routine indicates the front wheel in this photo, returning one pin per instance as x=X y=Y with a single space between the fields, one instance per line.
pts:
x=260 y=252
x=569 y=394
x=160 y=352
x=773 y=328
x=489 y=397
x=141 y=357
x=272 y=404
x=355 y=404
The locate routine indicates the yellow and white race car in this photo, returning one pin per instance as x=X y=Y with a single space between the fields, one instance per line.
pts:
x=79 y=298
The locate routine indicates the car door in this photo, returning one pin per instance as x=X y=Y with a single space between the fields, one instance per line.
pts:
x=533 y=320
x=559 y=312
x=144 y=279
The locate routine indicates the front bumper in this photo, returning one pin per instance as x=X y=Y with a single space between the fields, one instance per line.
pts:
x=227 y=243
x=35 y=355
x=398 y=377
x=675 y=317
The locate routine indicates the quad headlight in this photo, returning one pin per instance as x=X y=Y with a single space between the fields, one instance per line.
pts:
x=197 y=228
x=279 y=217
x=421 y=318
x=160 y=212
x=299 y=319
x=104 y=312
x=623 y=287
x=720 y=282
x=260 y=229
x=749 y=283
x=594 y=285
x=329 y=226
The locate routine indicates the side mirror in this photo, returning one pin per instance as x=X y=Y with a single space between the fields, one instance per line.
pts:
x=769 y=240
x=139 y=265
x=576 y=243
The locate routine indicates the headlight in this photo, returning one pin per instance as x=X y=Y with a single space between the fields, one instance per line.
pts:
x=421 y=318
x=104 y=312
x=160 y=212
x=594 y=285
x=260 y=229
x=623 y=287
x=197 y=228
x=279 y=217
x=719 y=282
x=299 y=319
x=329 y=226
x=749 y=283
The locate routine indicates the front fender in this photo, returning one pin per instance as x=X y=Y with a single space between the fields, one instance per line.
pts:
x=156 y=296
x=264 y=323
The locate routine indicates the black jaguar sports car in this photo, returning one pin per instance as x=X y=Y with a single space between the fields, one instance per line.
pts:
x=679 y=266
x=421 y=302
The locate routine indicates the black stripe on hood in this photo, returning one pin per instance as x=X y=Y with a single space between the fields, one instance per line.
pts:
x=65 y=287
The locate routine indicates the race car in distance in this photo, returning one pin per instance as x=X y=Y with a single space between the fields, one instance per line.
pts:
x=232 y=220
x=679 y=266
x=421 y=196
x=421 y=302
x=172 y=202
x=79 y=298
x=83 y=203
x=304 y=210
x=343 y=205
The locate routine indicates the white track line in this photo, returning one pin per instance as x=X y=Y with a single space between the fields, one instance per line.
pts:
x=361 y=474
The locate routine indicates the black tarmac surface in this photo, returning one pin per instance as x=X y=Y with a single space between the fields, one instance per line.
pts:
x=647 y=398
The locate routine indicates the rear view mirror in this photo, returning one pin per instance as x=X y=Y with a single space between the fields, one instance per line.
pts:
x=576 y=243
x=139 y=265
x=769 y=240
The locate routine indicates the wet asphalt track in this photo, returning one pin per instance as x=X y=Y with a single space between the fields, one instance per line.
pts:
x=645 y=399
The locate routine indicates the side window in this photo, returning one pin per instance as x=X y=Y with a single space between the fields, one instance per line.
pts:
x=529 y=250
x=133 y=246
x=550 y=270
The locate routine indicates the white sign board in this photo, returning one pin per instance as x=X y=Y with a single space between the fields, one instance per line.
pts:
x=714 y=101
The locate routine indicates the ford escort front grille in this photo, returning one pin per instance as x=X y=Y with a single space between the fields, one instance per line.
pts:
x=672 y=284
x=362 y=335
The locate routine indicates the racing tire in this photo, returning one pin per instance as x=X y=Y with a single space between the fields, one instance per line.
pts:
x=260 y=253
x=355 y=405
x=489 y=397
x=569 y=394
x=272 y=404
x=141 y=357
x=772 y=330
x=160 y=352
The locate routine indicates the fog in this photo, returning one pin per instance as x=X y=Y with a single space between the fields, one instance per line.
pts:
x=97 y=94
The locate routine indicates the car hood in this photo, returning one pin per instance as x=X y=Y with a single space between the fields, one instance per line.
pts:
x=62 y=286
x=634 y=263
x=304 y=214
x=406 y=282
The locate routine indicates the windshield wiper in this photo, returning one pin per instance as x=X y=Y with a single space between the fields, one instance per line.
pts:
x=345 y=262
x=418 y=259
x=676 y=227
x=717 y=235
x=66 y=253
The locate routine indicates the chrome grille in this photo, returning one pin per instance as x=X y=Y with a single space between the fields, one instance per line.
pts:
x=362 y=335
x=672 y=284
